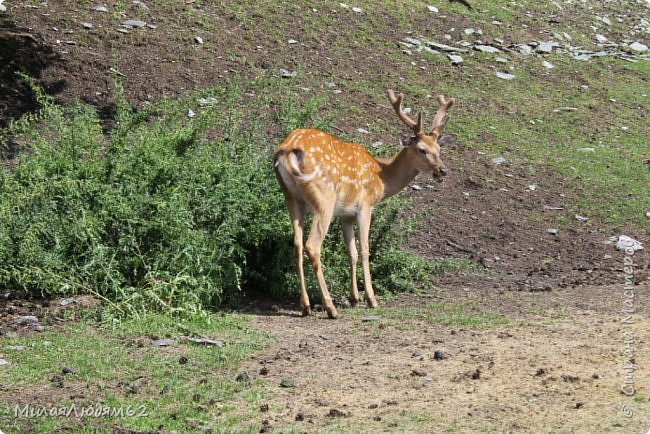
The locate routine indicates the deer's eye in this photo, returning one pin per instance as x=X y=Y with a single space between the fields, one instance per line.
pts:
x=422 y=151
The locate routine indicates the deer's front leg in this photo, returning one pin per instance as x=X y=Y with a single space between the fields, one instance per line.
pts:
x=364 y=230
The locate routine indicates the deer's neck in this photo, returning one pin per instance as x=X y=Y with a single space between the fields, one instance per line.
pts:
x=396 y=172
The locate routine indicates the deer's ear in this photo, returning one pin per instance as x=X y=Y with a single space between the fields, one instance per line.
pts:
x=448 y=140
x=408 y=140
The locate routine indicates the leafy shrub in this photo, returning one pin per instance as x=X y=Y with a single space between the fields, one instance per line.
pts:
x=169 y=212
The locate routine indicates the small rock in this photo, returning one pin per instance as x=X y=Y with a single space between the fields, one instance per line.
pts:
x=377 y=144
x=501 y=60
x=552 y=231
x=243 y=378
x=101 y=8
x=3 y=362
x=357 y=9
x=548 y=65
x=287 y=383
x=335 y=413
x=432 y=9
x=210 y=101
x=647 y=214
x=418 y=373
x=86 y=25
x=416 y=354
x=134 y=23
x=439 y=355
x=26 y=320
x=469 y=31
x=580 y=218
x=344 y=357
x=505 y=75
x=16 y=347
x=67 y=301
x=570 y=378
x=498 y=160
x=545 y=47
x=363 y=131
x=56 y=378
x=455 y=59
x=141 y=4
x=486 y=49
x=586 y=149
x=370 y=318
x=416 y=187
x=162 y=342
x=206 y=342
x=626 y=243
x=300 y=417
x=292 y=41
x=67 y=370
x=199 y=40
x=638 y=47
x=190 y=113
x=601 y=38
x=288 y=74
x=532 y=187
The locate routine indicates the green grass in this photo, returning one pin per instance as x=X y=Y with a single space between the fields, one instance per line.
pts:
x=467 y=314
x=119 y=368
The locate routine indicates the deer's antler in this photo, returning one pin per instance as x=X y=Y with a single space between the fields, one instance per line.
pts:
x=441 y=118
x=396 y=102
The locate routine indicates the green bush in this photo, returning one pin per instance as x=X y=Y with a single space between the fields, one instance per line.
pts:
x=168 y=212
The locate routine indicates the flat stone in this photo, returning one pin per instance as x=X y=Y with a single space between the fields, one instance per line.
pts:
x=26 y=320
x=162 y=342
x=455 y=59
x=443 y=47
x=432 y=8
x=628 y=243
x=548 y=65
x=498 y=160
x=287 y=383
x=86 y=25
x=370 y=318
x=505 y=75
x=501 y=60
x=206 y=342
x=100 y=8
x=601 y=38
x=134 y=23
x=3 y=362
x=638 y=47
x=487 y=49
x=545 y=47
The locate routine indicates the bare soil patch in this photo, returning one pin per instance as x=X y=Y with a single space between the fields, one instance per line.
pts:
x=557 y=367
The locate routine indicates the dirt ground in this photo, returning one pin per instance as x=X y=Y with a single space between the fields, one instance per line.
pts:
x=556 y=365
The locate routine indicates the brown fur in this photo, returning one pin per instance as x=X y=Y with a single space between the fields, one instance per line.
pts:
x=321 y=173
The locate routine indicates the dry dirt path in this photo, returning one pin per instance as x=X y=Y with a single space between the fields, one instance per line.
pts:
x=515 y=362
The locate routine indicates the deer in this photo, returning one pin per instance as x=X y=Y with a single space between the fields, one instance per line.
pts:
x=328 y=177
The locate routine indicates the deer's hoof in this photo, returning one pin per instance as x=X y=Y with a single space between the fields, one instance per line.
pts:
x=306 y=311
x=372 y=303
x=332 y=313
x=354 y=302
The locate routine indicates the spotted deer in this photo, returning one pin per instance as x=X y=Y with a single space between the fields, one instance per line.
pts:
x=329 y=177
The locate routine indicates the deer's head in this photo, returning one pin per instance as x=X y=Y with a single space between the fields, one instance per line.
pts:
x=424 y=147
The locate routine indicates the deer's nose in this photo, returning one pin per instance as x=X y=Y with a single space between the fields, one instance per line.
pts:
x=443 y=171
